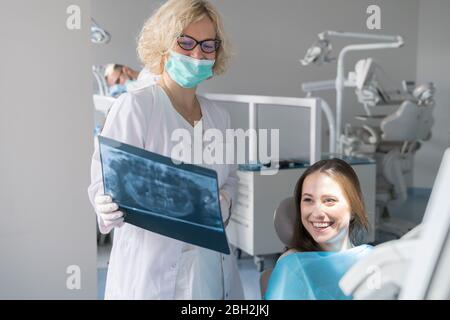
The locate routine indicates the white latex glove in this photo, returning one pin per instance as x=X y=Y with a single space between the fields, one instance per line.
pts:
x=225 y=207
x=108 y=212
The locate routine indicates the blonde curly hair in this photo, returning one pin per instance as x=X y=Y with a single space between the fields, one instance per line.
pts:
x=160 y=32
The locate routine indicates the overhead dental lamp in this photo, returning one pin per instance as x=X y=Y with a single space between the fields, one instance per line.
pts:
x=364 y=72
x=367 y=84
x=318 y=53
x=425 y=94
x=98 y=34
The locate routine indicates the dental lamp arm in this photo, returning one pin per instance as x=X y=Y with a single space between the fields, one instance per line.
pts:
x=309 y=87
x=330 y=119
x=340 y=77
x=381 y=37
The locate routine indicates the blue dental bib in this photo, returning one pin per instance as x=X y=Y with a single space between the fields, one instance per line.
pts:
x=312 y=275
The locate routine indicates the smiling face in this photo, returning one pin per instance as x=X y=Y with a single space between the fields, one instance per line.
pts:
x=325 y=212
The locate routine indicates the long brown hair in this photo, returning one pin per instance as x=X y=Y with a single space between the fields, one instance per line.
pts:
x=345 y=176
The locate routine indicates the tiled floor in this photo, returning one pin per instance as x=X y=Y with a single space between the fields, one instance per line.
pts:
x=412 y=211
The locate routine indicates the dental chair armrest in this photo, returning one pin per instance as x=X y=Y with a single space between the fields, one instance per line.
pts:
x=381 y=274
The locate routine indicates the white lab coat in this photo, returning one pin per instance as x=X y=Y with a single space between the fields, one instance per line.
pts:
x=146 y=265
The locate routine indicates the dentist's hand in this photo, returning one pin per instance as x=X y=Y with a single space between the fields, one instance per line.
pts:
x=225 y=207
x=108 y=212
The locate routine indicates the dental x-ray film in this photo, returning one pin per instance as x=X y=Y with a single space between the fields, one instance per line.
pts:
x=180 y=201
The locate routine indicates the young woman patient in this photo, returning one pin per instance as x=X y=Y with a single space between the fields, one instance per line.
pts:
x=330 y=217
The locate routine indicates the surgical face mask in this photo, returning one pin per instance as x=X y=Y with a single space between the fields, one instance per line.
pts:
x=188 y=72
x=117 y=89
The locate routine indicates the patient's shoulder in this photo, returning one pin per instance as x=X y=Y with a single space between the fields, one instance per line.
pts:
x=288 y=252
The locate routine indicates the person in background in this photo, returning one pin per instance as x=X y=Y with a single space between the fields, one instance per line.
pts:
x=118 y=77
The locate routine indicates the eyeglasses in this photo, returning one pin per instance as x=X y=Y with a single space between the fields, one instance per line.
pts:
x=207 y=46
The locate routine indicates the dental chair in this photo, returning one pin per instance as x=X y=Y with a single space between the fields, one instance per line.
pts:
x=415 y=266
x=284 y=218
x=306 y=275
x=392 y=139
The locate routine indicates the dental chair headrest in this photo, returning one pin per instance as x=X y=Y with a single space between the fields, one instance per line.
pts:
x=284 y=219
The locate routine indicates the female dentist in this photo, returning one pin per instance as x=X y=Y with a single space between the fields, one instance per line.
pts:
x=184 y=42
